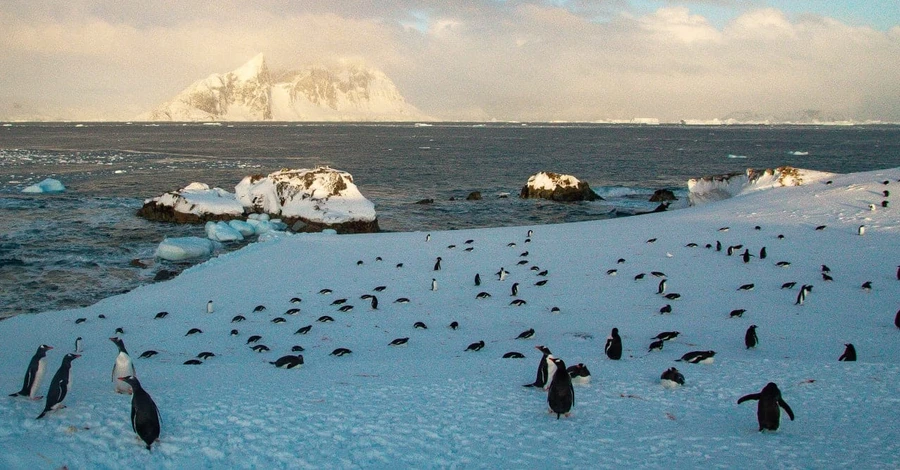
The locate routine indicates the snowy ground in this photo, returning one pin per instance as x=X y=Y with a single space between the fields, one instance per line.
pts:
x=430 y=404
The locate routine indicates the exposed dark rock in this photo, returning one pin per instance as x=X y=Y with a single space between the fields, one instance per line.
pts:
x=565 y=188
x=425 y=201
x=663 y=195
x=164 y=275
x=474 y=196
x=151 y=210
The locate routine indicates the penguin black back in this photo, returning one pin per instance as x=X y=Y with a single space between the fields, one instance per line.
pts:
x=561 y=395
x=614 y=345
x=541 y=378
x=849 y=353
x=34 y=372
x=767 y=412
x=59 y=386
x=144 y=413
x=750 y=338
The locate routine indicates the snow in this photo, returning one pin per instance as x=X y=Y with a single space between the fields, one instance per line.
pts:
x=715 y=188
x=199 y=199
x=222 y=232
x=550 y=181
x=182 y=248
x=48 y=185
x=430 y=404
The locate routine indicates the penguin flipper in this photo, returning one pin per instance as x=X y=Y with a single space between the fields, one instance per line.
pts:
x=752 y=396
x=787 y=408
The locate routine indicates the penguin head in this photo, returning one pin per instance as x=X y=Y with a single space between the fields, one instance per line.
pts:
x=615 y=331
x=70 y=357
x=752 y=327
x=45 y=347
x=543 y=349
x=131 y=380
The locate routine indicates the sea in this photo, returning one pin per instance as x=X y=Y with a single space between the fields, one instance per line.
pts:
x=72 y=249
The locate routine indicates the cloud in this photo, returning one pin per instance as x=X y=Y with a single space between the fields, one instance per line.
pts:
x=514 y=60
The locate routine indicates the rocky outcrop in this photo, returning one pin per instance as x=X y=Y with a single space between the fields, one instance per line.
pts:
x=196 y=203
x=557 y=187
x=663 y=195
x=474 y=196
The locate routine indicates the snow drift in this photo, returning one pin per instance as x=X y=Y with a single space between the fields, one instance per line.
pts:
x=716 y=188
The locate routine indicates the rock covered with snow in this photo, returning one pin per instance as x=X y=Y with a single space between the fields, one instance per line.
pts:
x=195 y=203
x=716 y=188
x=49 y=185
x=557 y=187
x=182 y=248
x=320 y=198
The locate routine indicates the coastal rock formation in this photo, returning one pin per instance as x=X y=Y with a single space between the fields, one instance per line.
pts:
x=718 y=187
x=320 y=198
x=663 y=195
x=557 y=187
x=195 y=203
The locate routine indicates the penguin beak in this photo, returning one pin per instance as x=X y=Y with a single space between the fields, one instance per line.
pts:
x=49 y=347
x=76 y=356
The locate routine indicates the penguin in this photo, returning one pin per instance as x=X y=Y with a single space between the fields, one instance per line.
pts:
x=78 y=345
x=515 y=289
x=59 y=385
x=477 y=279
x=661 y=289
x=861 y=230
x=730 y=251
x=206 y=355
x=428 y=237
x=523 y=254
x=737 y=313
x=437 y=264
x=541 y=380
x=238 y=319
x=399 y=341
x=745 y=256
x=501 y=274
x=867 y=286
x=454 y=325
x=620 y=261
x=656 y=345
x=750 y=338
x=747 y=287
x=161 y=315
x=718 y=245
x=259 y=308
x=34 y=374
x=193 y=331
x=671 y=378
x=260 y=348
x=886 y=193
x=346 y=308
x=665 y=309
x=788 y=285
x=297 y=348
x=433 y=284
x=561 y=394
x=543 y=273
x=339 y=302
x=672 y=296
x=614 y=345
x=518 y=302
x=209 y=307
x=826 y=269
x=801 y=296
x=325 y=291
x=475 y=346
x=579 y=374
x=639 y=276
x=527 y=334
x=401 y=300
x=234 y=332
x=667 y=335
x=278 y=320
x=884 y=204
x=288 y=362
x=826 y=277
x=144 y=413
x=340 y=352
x=292 y=311
x=253 y=339
x=849 y=353
x=374 y=303
x=698 y=357
x=530 y=233
x=762 y=253
x=540 y=283
x=821 y=227
x=193 y=362
x=379 y=288
x=872 y=207
x=767 y=412
x=651 y=240
x=420 y=325
x=120 y=331
x=782 y=264
x=325 y=319
x=658 y=274
x=513 y=355
x=898 y=273
x=296 y=300
x=897 y=319
x=148 y=354
x=612 y=272
x=123 y=367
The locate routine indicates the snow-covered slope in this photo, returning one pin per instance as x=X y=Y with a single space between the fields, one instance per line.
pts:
x=716 y=188
x=341 y=93
x=430 y=404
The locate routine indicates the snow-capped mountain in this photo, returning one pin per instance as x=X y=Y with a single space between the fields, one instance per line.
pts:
x=250 y=93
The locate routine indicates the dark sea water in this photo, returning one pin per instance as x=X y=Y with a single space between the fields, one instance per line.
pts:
x=75 y=248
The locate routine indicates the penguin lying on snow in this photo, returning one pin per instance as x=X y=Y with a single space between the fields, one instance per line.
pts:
x=579 y=374
x=698 y=357
x=671 y=378
x=767 y=412
x=144 y=413
x=34 y=374
x=59 y=386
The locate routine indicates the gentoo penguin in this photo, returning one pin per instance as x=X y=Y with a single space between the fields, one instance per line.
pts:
x=541 y=380
x=767 y=412
x=671 y=378
x=667 y=335
x=801 y=296
x=122 y=368
x=501 y=274
x=59 y=386
x=477 y=279
x=661 y=289
x=34 y=374
x=420 y=325
x=698 y=357
x=665 y=309
x=454 y=325
x=737 y=313
x=399 y=341
x=718 y=245
x=340 y=352
x=437 y=264
x=527 y=334
x=515 y=289
x=658 y=345
x=144 y=413
x=745 y=256
x=750 y=338
x=861 y=230
x=513 y=355
x=788 y=285
x=433 y=284
x=78 y=344
x=561 y=394
x=288 y=362
x=209 y=308
x=898 y=273
x=867 y=286
x=531 y=232
x=849 y=353
x=374 y=303
x=614 y=345
x=579 y=374
x=762 y=253
x=475 y=346
x=428 y=237
x=161 y=315
x=897 y=319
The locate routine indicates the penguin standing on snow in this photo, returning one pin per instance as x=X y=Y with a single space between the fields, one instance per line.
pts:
x=122 y=368
x=614 y=345
x=750 y=338
x=78 y=345
x=59 y=386
x=437 y=264
x=849 y=353
x=767 y=412
x=661 y=289
x=561 y=395
x=433 y=284
x=542 y=376
x=209 y=307
x=515 y=289
x=34 y=374
x=477 y=279
x=144 y=413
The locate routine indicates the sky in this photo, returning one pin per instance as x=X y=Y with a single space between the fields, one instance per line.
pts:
x=569 y=60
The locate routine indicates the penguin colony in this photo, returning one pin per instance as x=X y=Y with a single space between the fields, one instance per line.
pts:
x=552 y=377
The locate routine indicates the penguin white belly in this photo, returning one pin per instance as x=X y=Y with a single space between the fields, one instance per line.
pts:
x=123 y=368
x=38 y=377
x=581 y=380
x=669 y=383
x=551 y=369
x=708 y=360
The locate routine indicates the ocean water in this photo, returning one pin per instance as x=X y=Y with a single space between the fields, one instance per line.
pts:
x=76 y=248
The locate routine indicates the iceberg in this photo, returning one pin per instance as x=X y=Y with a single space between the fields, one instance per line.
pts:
x=177 y=249
x=49 y=185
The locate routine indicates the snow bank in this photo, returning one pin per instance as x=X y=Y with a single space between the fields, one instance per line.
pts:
x=431 y=404
x=322 y=196
x=194 y=203
x=716 y=188
x=177 y=249
x=49 y=185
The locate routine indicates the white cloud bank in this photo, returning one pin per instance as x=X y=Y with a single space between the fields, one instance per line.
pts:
x=471 y=60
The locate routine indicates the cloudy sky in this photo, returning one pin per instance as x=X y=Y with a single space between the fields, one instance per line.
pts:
x=469 y=59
